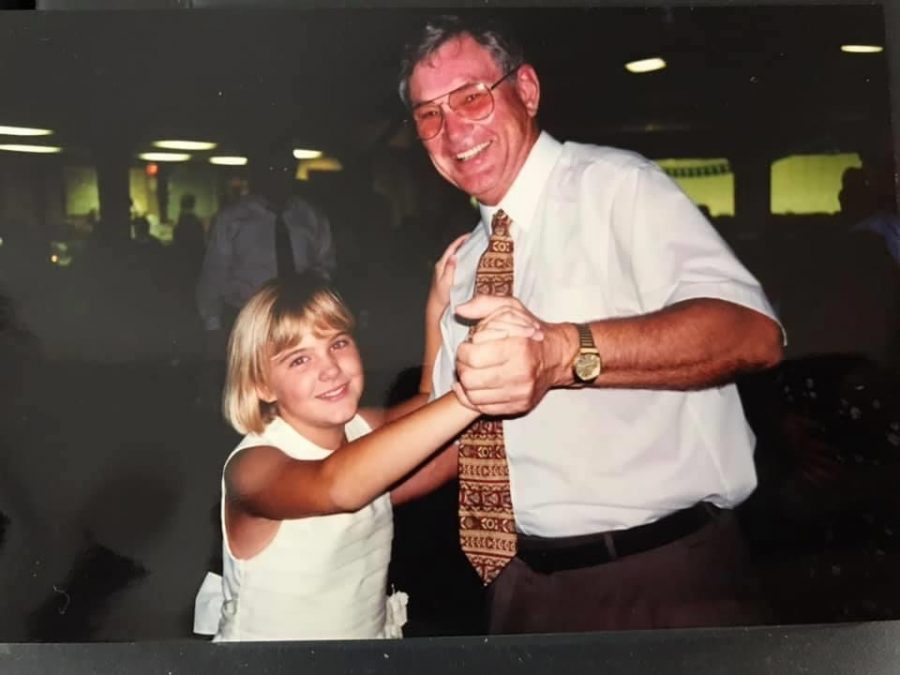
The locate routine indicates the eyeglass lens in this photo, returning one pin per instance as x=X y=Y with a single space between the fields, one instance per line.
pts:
x=473 y=102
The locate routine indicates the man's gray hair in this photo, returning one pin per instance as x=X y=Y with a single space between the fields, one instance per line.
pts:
x=499 y=41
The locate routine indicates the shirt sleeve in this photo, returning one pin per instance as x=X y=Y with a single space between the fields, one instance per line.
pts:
x=213 y=274
x=312 y=238
x=677 y=255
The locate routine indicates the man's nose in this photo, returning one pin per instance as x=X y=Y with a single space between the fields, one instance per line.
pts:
x=454 y=123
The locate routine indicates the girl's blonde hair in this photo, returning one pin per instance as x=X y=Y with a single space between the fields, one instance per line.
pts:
x=274 y=319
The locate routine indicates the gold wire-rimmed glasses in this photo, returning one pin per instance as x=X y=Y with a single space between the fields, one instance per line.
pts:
x=473 y=101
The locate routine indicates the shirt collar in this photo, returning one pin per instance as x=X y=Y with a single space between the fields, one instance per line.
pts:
x=287 y=438
x=520 y=201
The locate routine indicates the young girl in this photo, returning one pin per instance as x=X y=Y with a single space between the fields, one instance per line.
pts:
x=306 y=523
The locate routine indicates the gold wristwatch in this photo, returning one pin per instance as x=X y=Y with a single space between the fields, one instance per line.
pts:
x=586 y=366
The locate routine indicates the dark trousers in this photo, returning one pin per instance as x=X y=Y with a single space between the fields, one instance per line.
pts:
x=702 y=579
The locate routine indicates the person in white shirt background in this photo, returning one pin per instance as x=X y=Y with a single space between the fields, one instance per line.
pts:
x=623 y=477
x=241 y=253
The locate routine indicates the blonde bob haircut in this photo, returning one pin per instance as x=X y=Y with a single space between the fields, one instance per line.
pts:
x=274 y=319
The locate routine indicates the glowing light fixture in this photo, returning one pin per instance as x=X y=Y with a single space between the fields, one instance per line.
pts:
x=37 y=149
x=228 y=160
x=24 y=131
x=862 y=49
x=645 y=65
x=184 y=145
x=164 y=156
x=324 y=163
x=302 y=153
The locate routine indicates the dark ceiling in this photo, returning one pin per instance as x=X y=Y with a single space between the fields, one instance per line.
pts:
x=325 y=78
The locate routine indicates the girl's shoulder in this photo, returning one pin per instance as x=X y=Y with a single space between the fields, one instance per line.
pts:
x=277 y=435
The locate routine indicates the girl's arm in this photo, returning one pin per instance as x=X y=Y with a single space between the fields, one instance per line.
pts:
x=438 y=299
x=266 y=483
x=436 y=305
x=443 y=465
x=441 y=468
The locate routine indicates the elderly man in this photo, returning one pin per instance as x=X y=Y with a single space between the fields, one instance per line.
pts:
x=595 y=492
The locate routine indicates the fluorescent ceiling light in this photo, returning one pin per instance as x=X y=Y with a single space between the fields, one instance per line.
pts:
x=38 y=149
x=233 y=160
x=24 y=131
x=645 y=65
x=861 y=49
x=301 y=153
x=184 y=145
x=165 y=156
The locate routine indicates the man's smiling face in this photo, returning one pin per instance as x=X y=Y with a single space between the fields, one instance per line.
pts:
x=480 y=157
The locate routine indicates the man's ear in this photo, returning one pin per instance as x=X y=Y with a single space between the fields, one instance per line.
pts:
x=528 y=87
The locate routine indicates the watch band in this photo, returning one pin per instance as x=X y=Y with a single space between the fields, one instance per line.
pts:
x=586 y=338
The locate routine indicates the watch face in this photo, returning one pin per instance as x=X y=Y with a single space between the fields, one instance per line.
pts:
x=587 y=367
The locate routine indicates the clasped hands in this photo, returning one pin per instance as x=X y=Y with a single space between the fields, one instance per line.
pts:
x=511 y=357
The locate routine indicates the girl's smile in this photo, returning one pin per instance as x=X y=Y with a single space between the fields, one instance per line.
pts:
x=316 y=385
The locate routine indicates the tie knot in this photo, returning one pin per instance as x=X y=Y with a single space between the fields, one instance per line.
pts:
x=500 y=224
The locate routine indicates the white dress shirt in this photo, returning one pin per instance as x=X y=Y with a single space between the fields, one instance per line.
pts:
x=599 y=233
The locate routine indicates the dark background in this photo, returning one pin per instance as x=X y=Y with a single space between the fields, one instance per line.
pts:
x=109 y=466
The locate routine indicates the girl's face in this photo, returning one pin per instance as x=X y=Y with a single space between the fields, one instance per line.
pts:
x=316 y=385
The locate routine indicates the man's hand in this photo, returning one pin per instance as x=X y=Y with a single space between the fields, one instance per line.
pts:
x=512 y=358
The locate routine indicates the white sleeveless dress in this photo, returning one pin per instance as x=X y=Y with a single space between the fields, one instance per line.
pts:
x=321 y=577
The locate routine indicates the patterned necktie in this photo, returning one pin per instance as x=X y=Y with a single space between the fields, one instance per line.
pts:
x=487 y=526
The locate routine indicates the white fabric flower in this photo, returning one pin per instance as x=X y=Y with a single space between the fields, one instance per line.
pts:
x=395 y=611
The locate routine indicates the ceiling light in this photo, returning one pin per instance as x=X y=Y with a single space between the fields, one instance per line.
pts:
x=861 y=49
x=645 y=65
x=233 y=160
x=38 y=149
x=24 y=131
x=184 y=145
x=306 y=166
x=165 y=156
x=301 y=153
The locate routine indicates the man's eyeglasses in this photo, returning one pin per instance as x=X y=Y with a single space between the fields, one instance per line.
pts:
x=471 y=101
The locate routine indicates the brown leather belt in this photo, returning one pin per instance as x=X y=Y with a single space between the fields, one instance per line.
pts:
x=548 y=555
